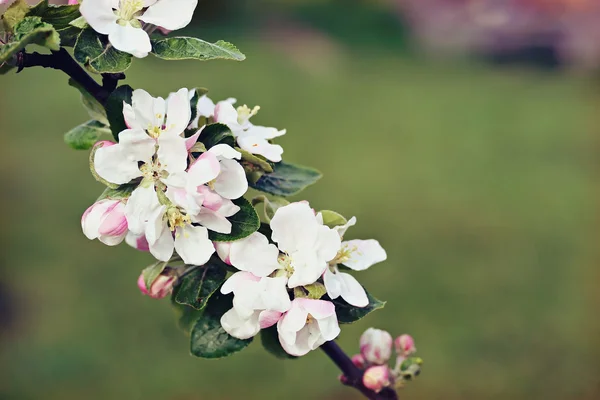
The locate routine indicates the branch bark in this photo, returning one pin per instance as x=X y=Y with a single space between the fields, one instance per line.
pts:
x=354 y=376
x=62 y=60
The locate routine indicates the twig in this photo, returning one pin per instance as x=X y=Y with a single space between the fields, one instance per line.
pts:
x=353 y=374
x=63 y=61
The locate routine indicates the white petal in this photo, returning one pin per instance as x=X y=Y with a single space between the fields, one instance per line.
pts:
x=328 y=243
x=364 y=253
x=138 y=242
x=137 y=144
x=237 y=279
x=352 y=291
x=231 y=182
x=170 y=14
x=225 y=151
x=294 y=319
x=140 y=205
x=275 y=295
x=329 y=328
x=172 y=153
x=205 y=107
x=317 y=308
x=204 y=169
x=149 y=111
x=131 y=40
x=159 y=236
x=264 y=132
x=99 y=15
x=294 y=343
x=333 y=284
x=239 y=327
x=115 y=164
x=212 y=220
x=268 y=318
x=191 y=141
x=255 y=145
x=193 y=245
x=254 y=254
x=129 y=116
x=92 y=218
x=178 y=111
x=294 y=226
x=341 y=230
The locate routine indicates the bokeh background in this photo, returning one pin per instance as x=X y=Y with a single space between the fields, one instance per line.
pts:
x=464 y=135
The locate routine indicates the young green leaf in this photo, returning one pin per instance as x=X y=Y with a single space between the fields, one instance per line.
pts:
x=84 y=136
x=15 y=14
x=270 y=341
x=195 y=288
x=286 y=179
x=60 y=17
x=95 y=51
x=244 y=223
x=214 y=134
x=347 y=313
x=209 y=339
x=332 y=219
x=189 y=48
x=114 y=109
x=30 y=30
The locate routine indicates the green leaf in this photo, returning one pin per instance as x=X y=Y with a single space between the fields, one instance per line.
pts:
x=93 y=169
x=60 y=17
x=98 y=55
x=188 y=48
x=93 y=106
x=152 y=272
x=119 y=193
x=315 y=290
x=269 y=206
x=214 y=134
x=209 y=339
x=30 y=30
x=257 y=161
x=243 y=223
x=80 y=23
x=332 y=219
x=348 y=314
x=114 y=109
x=195 y=288
x=15 y=14
x=286 y=179
x=186 y=316
x=270 y=341
x=84 y=136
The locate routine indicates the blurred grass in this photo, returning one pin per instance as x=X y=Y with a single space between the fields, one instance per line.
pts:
x=480 y=183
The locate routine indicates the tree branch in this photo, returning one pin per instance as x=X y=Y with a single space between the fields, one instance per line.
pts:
x=353 y=374
x=63 y=61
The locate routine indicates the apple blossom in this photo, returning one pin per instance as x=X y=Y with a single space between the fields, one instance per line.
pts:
x=105 y=220
x=405 y=345
x=307 y=325
x=122 y=20
x=257 y=303
x=251 y=138
x=377 y=377
x=138 y=242
x=160 y=288
x=376 y=346
x=357 y=255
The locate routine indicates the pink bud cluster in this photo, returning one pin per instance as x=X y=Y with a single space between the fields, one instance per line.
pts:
x=376 y=347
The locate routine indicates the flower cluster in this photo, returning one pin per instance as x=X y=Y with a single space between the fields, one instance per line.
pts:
x=376 y=351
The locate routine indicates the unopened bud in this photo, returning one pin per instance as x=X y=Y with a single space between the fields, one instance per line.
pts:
x=405 y=345
x=376 y=346
x=377 y=377
x=359 y=361
x=161 y=287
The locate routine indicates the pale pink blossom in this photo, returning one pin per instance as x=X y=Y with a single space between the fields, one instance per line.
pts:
x=376 y=346
x=105 y=220
x=161 y=287
x=377 y=377
x=405 y=345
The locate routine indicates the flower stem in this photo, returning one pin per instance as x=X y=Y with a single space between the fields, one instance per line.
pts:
x=353 y=374
x=63 y=61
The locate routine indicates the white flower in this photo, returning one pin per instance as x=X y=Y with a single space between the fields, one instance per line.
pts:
x=120 y=20
x=105 y=220
x=357 y=255
x=257 y=303
x=307 y=325
x=252 y=138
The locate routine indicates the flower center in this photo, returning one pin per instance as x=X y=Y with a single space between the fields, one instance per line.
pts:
x=286 y=263
x=343 y=255
x=244 y=113
x=128 y=11
x=309 y=319
x=177 y=219
x=153 y=171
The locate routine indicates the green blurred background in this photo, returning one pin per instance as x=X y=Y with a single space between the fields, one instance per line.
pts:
x=481 y=182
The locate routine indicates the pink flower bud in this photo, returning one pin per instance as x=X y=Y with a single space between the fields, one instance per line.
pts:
x=161 y=287
x=405 y=345
x=376 y=378
x=376 y=346
x=105 y=220
x=359 y=361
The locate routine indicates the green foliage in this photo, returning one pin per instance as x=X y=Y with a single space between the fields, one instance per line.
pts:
x=269 y=205
x=188 y=48
x=196 y=287
x=30 y=30
x=209 y=339
x=15 y=14
x=114 y=109
x=60 y=17
x=186 y=316
x=332 y=219
x=270 y=341
x=244 y=223
x=348 y=314
x=119 y=193
x=98 y=55
x=152 y=272
x=286 y=179
x=93 y=106
x=84 y=136
x=257 y=161
x=214 y=134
